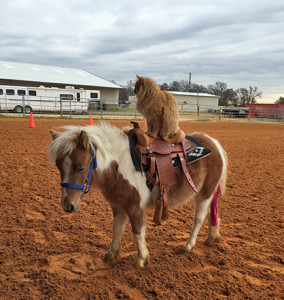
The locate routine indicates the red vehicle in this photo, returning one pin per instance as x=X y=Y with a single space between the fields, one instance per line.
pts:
x=271 y=111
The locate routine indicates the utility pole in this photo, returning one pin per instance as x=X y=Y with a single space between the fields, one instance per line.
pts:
x=189 y=81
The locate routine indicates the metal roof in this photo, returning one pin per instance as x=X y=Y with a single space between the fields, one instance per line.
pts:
x=40 y=73
x=193 y=94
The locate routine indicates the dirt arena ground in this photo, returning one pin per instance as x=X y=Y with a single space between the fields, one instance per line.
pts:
x=48 y=254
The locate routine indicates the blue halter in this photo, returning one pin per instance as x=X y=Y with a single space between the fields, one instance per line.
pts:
x=86 y=186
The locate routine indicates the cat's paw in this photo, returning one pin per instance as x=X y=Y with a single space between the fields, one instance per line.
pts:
x=151 y=134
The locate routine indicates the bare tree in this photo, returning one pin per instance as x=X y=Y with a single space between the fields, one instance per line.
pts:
x=175 y=86
x=165 y=87
x=123 y=96
x=184 y=85
x=130 y=87
x=219 y=89
x=198 y=88
x=247 y=96
x=229 y=97
x=280 y=101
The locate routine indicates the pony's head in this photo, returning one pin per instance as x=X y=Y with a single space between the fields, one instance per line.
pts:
x=74 y=155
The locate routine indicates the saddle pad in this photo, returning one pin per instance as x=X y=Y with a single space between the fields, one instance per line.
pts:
x=199 y=152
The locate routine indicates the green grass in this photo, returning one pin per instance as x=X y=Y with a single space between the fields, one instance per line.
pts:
x=118 y=110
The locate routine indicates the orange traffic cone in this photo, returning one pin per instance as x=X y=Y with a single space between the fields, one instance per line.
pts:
x=32 y=122
x=145 y=124
x=91 y=121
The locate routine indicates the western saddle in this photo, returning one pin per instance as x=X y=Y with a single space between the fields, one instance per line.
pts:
x=156 y=156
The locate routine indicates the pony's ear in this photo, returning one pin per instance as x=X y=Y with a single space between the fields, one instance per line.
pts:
x=83 y=140
x=138 y=77
x=54 y=134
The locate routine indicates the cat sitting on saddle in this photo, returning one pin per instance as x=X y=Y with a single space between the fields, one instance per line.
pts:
x=158 y=107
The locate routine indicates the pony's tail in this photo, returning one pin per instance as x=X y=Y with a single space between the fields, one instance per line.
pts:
x=223 y=178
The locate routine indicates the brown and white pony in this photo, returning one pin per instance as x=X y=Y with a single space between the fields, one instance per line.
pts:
x=125 y=188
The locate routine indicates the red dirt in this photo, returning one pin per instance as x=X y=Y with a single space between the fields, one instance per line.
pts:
x=48 y=254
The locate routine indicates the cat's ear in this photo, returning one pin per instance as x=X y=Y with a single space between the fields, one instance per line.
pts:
x=138 y=77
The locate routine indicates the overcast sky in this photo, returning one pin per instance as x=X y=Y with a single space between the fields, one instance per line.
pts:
x=240 y=42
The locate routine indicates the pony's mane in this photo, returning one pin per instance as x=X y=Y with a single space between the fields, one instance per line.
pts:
x=67 y=141
x=64 y=144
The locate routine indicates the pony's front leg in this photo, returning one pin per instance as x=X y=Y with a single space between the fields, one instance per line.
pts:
x=118 y=226
x=201 y=209
x=137 y=220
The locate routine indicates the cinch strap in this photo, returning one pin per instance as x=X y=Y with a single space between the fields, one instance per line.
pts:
x=85 y=187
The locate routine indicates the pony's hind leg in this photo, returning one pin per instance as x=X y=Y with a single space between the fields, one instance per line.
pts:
x=201 y=209
x=213 y=232
x=119 y=222
x=213 y=220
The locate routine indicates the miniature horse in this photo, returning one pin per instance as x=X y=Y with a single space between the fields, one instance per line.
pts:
x=100 y=155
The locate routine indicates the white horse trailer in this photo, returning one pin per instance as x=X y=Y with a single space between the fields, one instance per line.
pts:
x=28 y=99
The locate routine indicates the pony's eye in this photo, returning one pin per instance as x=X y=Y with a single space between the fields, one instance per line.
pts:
x=80 y=169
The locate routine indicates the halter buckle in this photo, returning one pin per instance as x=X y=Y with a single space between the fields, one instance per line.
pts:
x=86 y=188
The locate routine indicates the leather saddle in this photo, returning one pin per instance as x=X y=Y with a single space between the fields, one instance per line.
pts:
x=156 y=156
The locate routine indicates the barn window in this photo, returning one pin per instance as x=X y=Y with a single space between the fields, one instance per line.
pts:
x=1 y=92
x=10 y=92
x=67 y=97
x=32 y=93
x=21 y=92
x=94 y=95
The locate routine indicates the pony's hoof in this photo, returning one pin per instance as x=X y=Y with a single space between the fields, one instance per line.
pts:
x=110 y=256
x=140 y=262
x=188 y=248
x=211 y=241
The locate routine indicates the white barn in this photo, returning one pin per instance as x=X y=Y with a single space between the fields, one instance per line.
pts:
x=189 y=101
x=30 y=75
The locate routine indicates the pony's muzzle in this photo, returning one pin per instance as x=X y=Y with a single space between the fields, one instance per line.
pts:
x=71 y=208
x=70 y=205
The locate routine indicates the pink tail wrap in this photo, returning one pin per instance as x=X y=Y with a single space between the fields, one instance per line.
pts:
x=214 y=208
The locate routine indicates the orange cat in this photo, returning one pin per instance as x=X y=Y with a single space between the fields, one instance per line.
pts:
x=158 y=107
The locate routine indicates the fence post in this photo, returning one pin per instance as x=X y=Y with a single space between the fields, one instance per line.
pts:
x=198 y=112
x=24 y=105
x=101 y=105
x=40 y=101
x=197 y=99
x=220 y=114
x=6 y=102
x=60 y=107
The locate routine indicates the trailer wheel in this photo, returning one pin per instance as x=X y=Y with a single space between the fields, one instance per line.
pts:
x=18 y=109
x=28 y=109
